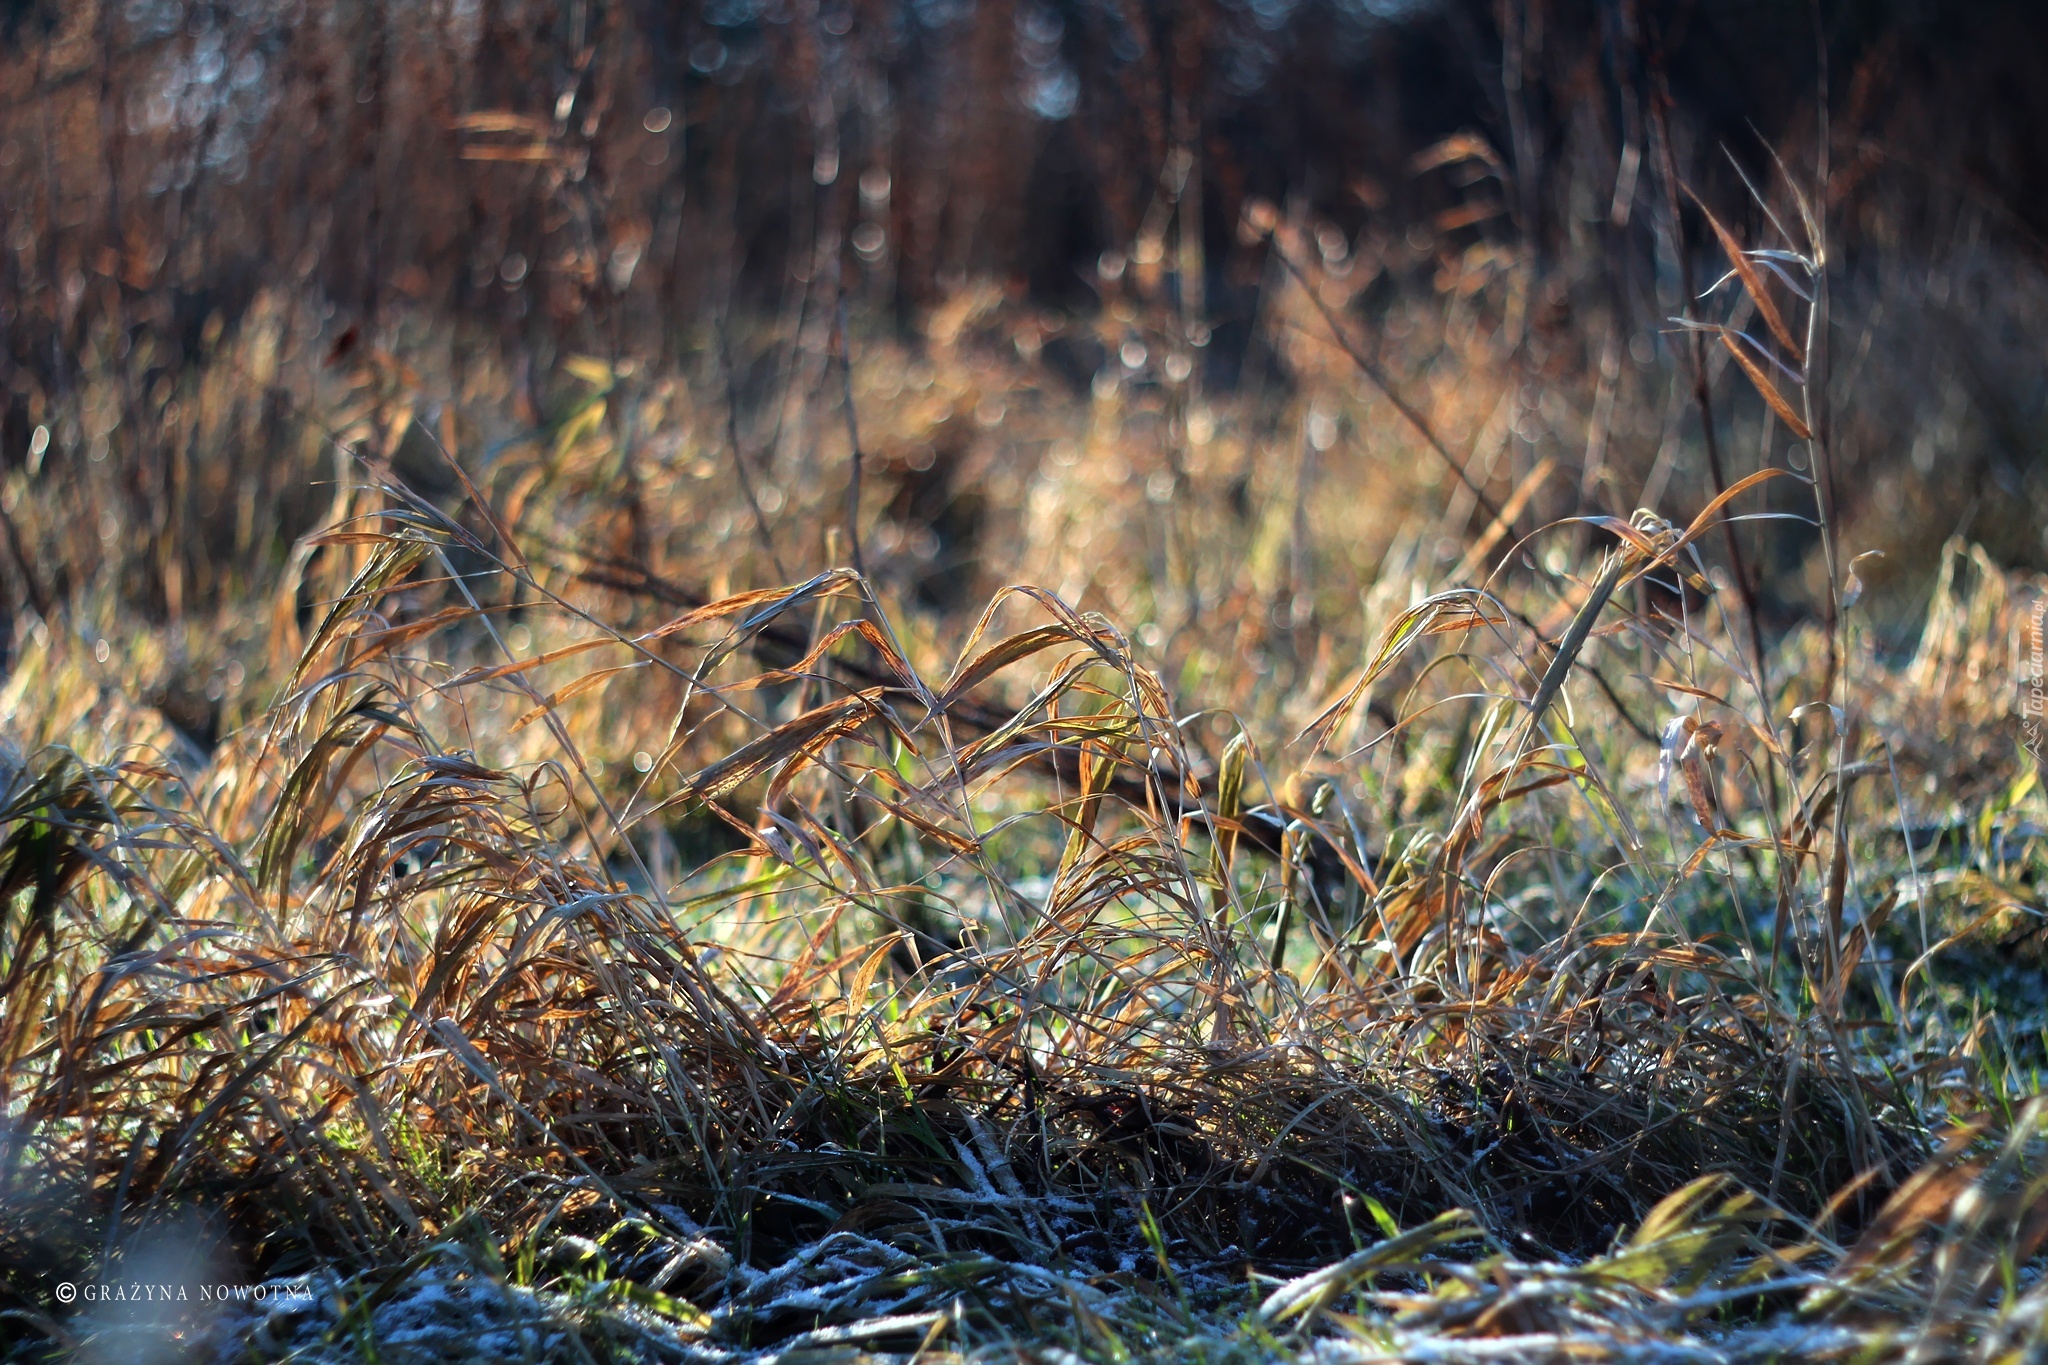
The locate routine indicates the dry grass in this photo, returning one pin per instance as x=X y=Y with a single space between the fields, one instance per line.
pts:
x=676 y=972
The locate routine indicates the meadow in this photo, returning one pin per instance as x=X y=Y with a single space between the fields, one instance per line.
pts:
x=995 y=831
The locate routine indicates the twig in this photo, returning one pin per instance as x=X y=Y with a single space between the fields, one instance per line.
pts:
x=37 y=597
x=739 y=458
x=1383 y=383
x=852 y=438
x=1701 y=392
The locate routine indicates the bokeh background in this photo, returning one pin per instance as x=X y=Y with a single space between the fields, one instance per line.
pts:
x=602 y=253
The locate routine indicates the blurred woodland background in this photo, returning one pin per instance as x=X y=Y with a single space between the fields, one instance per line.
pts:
x=235 y=231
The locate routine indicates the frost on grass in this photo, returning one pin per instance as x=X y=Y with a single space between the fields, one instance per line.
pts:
x=999 y=1004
